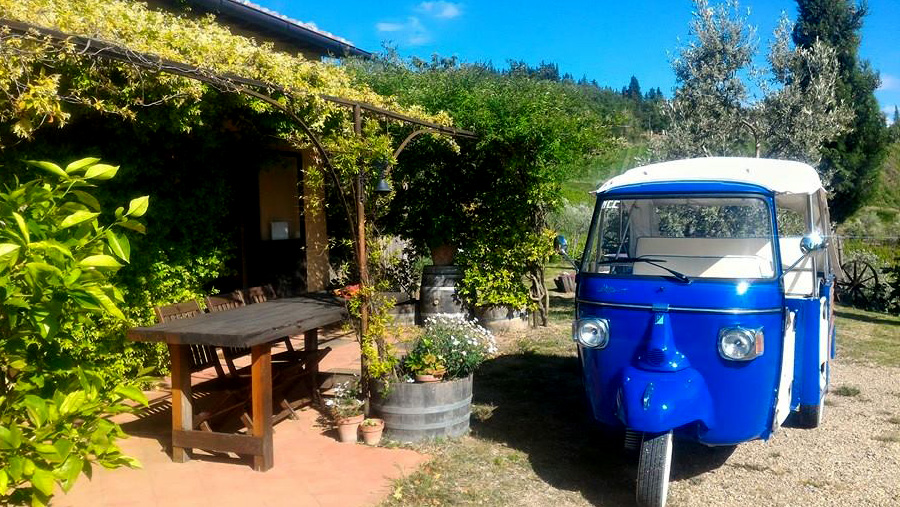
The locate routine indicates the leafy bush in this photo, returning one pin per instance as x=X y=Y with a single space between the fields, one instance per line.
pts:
x=496 y=267
x=894 y=286
x=56 y=260
x=872 y=222
x=572 y=221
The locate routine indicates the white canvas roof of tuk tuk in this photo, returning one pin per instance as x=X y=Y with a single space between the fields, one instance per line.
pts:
x=792 y=182
x=779 y=176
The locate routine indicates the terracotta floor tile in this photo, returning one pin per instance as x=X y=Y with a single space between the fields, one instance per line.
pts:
x=311 y=467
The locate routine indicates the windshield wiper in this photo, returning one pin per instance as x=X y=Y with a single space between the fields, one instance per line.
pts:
x=681 y=277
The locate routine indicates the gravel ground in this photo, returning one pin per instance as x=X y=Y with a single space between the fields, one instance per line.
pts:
x=853 y=459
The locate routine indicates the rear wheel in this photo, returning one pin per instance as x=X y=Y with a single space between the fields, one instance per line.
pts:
x=653 y=470
x=810 y=416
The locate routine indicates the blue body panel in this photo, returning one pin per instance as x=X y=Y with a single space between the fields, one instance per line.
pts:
x=809 y=360
x=656 y=403
x=711 y=399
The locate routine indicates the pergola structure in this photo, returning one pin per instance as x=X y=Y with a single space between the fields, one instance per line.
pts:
x=89 y=47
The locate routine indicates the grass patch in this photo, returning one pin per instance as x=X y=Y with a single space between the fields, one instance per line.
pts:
x=892 y=437
x=482 y=412
x=815 y=483
x=845 y=390
x=868 y=337
x=753 y=467
x=553 y=340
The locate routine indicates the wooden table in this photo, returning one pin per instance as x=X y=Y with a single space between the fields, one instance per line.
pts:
x=255 y=326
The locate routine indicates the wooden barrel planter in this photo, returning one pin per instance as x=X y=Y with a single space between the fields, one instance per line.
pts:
x=417 y=412
x=501 y=318
x=437 y=295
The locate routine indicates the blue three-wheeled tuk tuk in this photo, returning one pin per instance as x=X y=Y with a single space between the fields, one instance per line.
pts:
x=704 y=305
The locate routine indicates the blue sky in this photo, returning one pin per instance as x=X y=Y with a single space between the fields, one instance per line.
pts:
x=605 y=40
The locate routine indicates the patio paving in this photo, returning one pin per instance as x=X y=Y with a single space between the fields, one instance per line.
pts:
x=311 y=467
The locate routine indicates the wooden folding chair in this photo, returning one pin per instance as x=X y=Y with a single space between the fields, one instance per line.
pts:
x=304 y=363
x=236 y=299
x=295 y=364
x=262 y=294
x=202 y=356
x=228 y=301
x=224 y=302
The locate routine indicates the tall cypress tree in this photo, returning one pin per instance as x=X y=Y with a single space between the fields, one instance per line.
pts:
x=855 y=157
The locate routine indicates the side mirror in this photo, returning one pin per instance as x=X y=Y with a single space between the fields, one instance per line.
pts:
x=560 y=244
x=812 y=243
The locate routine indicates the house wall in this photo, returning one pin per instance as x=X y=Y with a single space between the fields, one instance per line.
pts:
x=317 y=265
x=281 y=183
x=278 y=196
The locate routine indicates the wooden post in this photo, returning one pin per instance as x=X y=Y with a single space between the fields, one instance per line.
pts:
x=261 y=379
x=182 y=408
x=361 y=255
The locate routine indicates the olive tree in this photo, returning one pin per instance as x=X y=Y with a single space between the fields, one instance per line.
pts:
x=713 y=111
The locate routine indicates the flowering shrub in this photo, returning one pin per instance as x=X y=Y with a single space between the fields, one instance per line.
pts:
x=347 y=400
x=453 y=344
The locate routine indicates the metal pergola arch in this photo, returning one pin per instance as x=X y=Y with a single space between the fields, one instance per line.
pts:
x=95 y=48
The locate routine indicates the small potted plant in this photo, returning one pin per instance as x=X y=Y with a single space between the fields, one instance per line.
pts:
x=371 y=430
x=425 y=365
x=346 y=408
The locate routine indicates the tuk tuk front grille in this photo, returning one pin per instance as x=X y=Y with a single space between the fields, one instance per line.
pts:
x=655 y=357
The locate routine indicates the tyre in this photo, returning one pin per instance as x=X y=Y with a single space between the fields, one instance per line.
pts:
x=810 y=416
x=654 y=465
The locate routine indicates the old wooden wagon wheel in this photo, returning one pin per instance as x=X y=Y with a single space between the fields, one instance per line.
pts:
x=861 y=281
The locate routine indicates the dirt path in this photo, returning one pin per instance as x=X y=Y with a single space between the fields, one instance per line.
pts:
x=852 y=459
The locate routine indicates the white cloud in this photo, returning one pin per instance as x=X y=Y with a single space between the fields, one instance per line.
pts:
x=889 y=82
x=888 y=113
x=413 y=32
x=389 y=27
x=440 y=9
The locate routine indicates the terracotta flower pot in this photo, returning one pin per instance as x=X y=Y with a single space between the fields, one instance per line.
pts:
x=425 y=377
x=348 y=427
x=372 y=432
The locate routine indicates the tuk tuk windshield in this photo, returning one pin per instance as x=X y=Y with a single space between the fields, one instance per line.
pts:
x=682 y=236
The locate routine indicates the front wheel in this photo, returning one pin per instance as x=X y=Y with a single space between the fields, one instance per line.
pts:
x=653 y=470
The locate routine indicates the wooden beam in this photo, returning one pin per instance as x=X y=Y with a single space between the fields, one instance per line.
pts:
x=223 y=442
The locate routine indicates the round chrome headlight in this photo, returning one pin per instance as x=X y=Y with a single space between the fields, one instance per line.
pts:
x=593 y=333
x=740 y=344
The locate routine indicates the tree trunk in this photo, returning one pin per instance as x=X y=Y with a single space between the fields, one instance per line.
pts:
x=539 y=293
